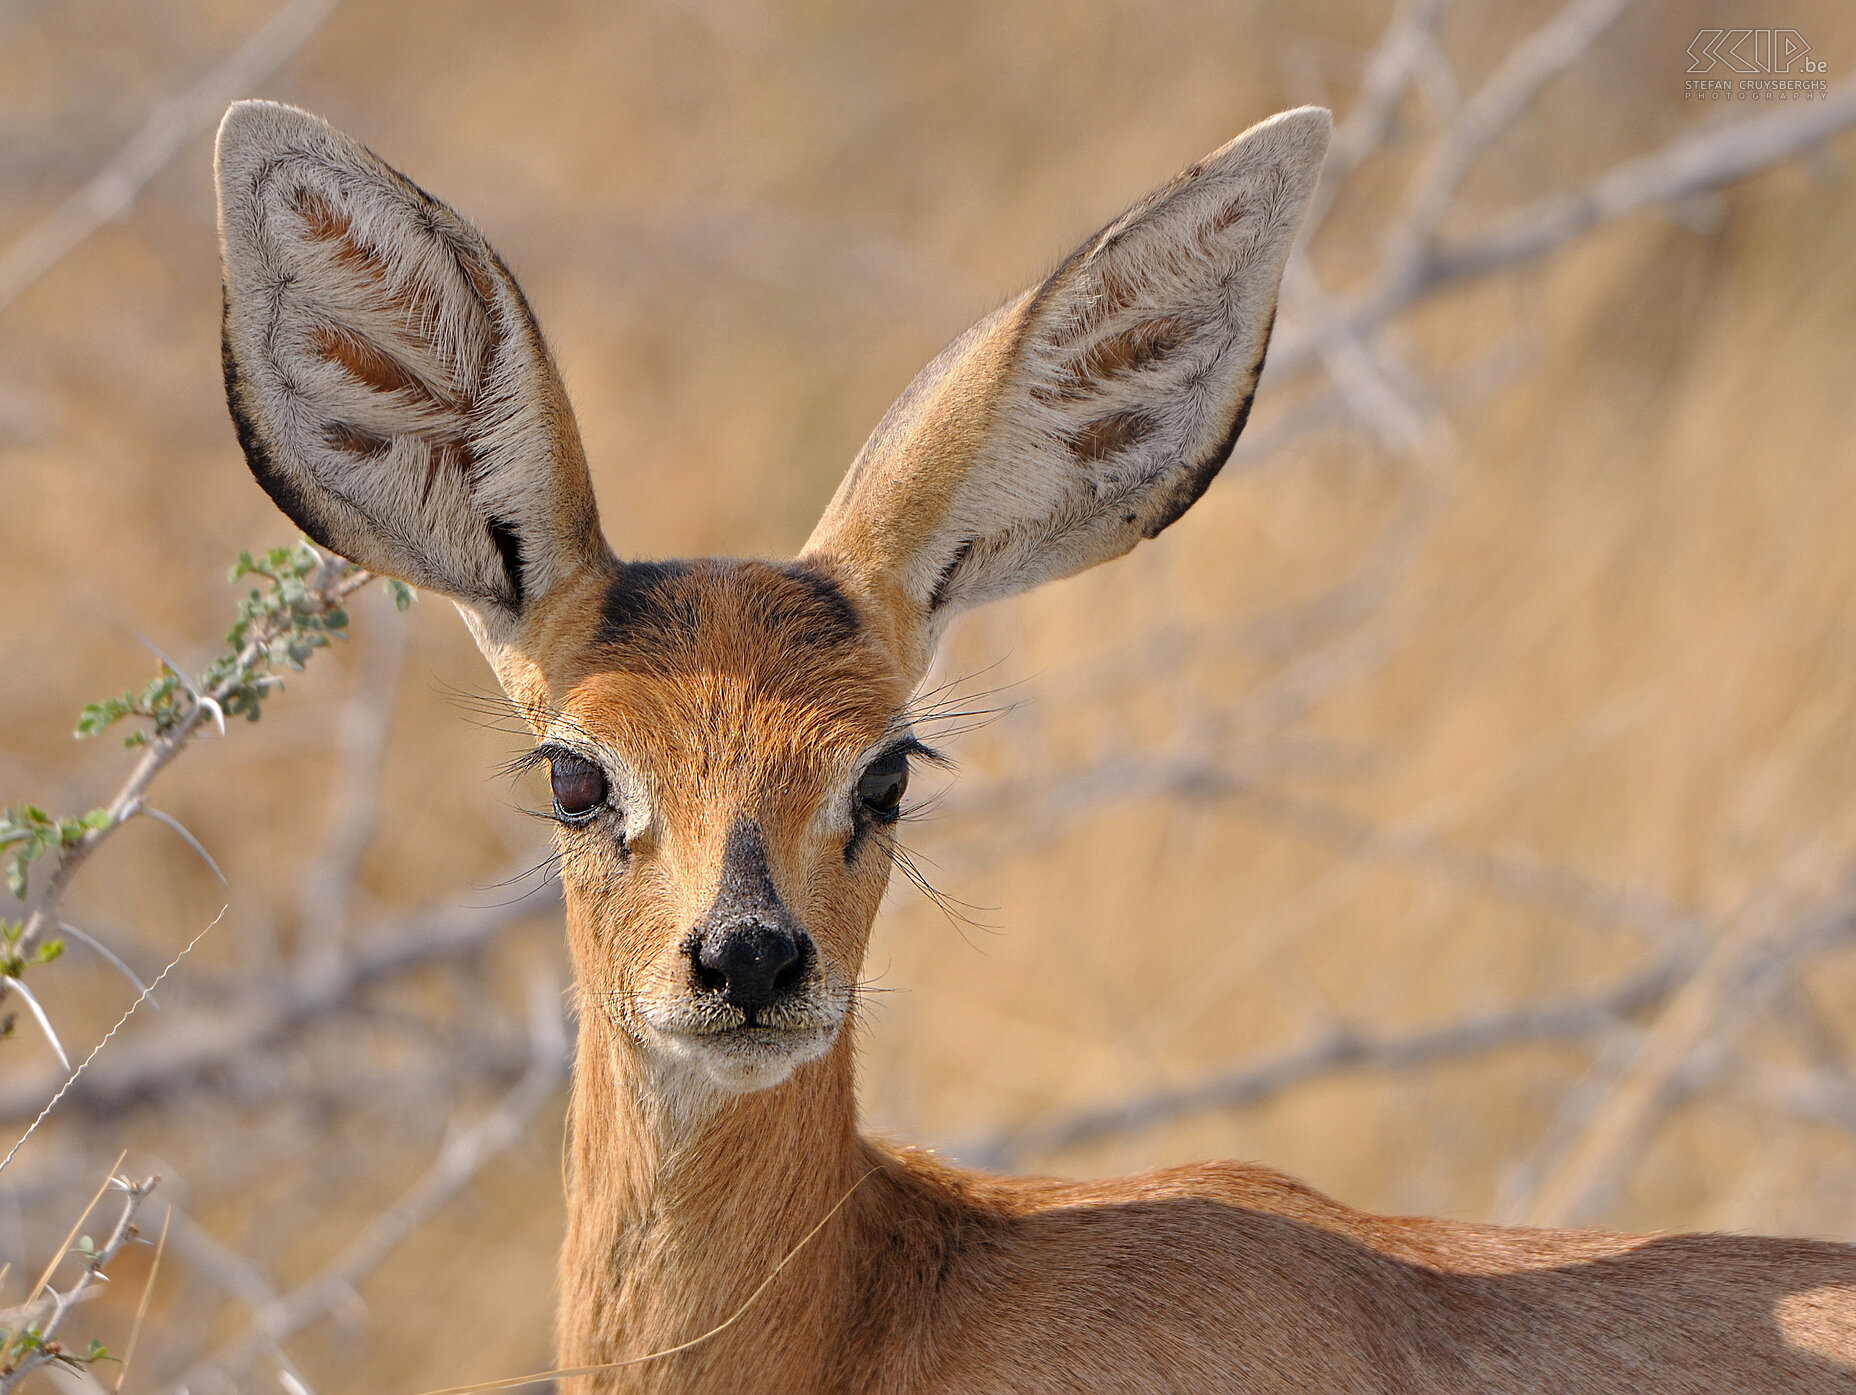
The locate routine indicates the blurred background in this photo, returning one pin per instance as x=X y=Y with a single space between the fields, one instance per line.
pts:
x=1456 y=809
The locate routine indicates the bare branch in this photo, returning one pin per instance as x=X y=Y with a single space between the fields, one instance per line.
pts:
x=1823 y=1096
x=1409 y=41
x=1551 y=49
x=185 y=1048
x=335 y=581
x=1704 y=1015
x=1707 y=159
x=463 y=1156
x=115 y=187
x=354 y=798
x=108 y=1036
x=141 y=1308
x=1342 y=1048
x=227 y=1269
x=1198 y=778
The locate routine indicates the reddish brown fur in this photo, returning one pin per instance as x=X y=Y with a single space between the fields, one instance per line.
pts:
x=369 y=364
x=327 y=224
x=1220 y=1276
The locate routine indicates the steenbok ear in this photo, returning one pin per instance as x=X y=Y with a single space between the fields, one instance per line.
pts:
x=389 y=385
x=1089 y=413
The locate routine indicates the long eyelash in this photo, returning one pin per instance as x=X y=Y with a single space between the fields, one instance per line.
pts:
x=493 y=711
x=922 y=811
x=917 y=749
x=948 y=703
x=531 y=760
x=950 y=906
x=547 y=872
x=931 y=700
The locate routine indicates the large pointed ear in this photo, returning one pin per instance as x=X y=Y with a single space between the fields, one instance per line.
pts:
x=1089 y=413
x=387 y=380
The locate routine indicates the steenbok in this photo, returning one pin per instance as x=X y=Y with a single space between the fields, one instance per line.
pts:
x=729 y=742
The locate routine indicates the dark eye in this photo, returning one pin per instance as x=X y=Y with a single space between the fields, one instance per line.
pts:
x=883 y=785
x=579 y=786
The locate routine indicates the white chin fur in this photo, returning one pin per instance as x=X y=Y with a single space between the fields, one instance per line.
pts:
x=742 y=1065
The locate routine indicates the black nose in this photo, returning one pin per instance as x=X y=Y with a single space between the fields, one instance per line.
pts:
x=752 y=966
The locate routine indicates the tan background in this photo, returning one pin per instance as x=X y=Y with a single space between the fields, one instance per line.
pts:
x=1613 y=691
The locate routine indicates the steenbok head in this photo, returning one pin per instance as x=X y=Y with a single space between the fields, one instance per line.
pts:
x=729 y=741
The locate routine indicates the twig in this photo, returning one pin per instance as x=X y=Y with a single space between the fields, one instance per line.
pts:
x=1517 y=79
x=1054 y=803
x=354 y=801
x=1715 y=155
x=204 y=1254
x=1703 y=1014
x=76 y=1226
x=1395 y=60
x=141 y=1308
x=1709 y=158
x=335 y=582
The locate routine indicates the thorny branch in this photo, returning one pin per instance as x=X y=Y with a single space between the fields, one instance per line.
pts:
x=184 y=1050
x=322 y=596
x=1704 y=160
x=34 y=1343
x=302 y=608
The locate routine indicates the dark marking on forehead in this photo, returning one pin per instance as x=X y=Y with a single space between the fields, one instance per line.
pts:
x=638 y=602
x=654 y=605
x=817 y=608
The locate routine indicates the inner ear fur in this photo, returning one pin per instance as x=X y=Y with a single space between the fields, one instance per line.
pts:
x=1090 y=412
x=388 y=382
